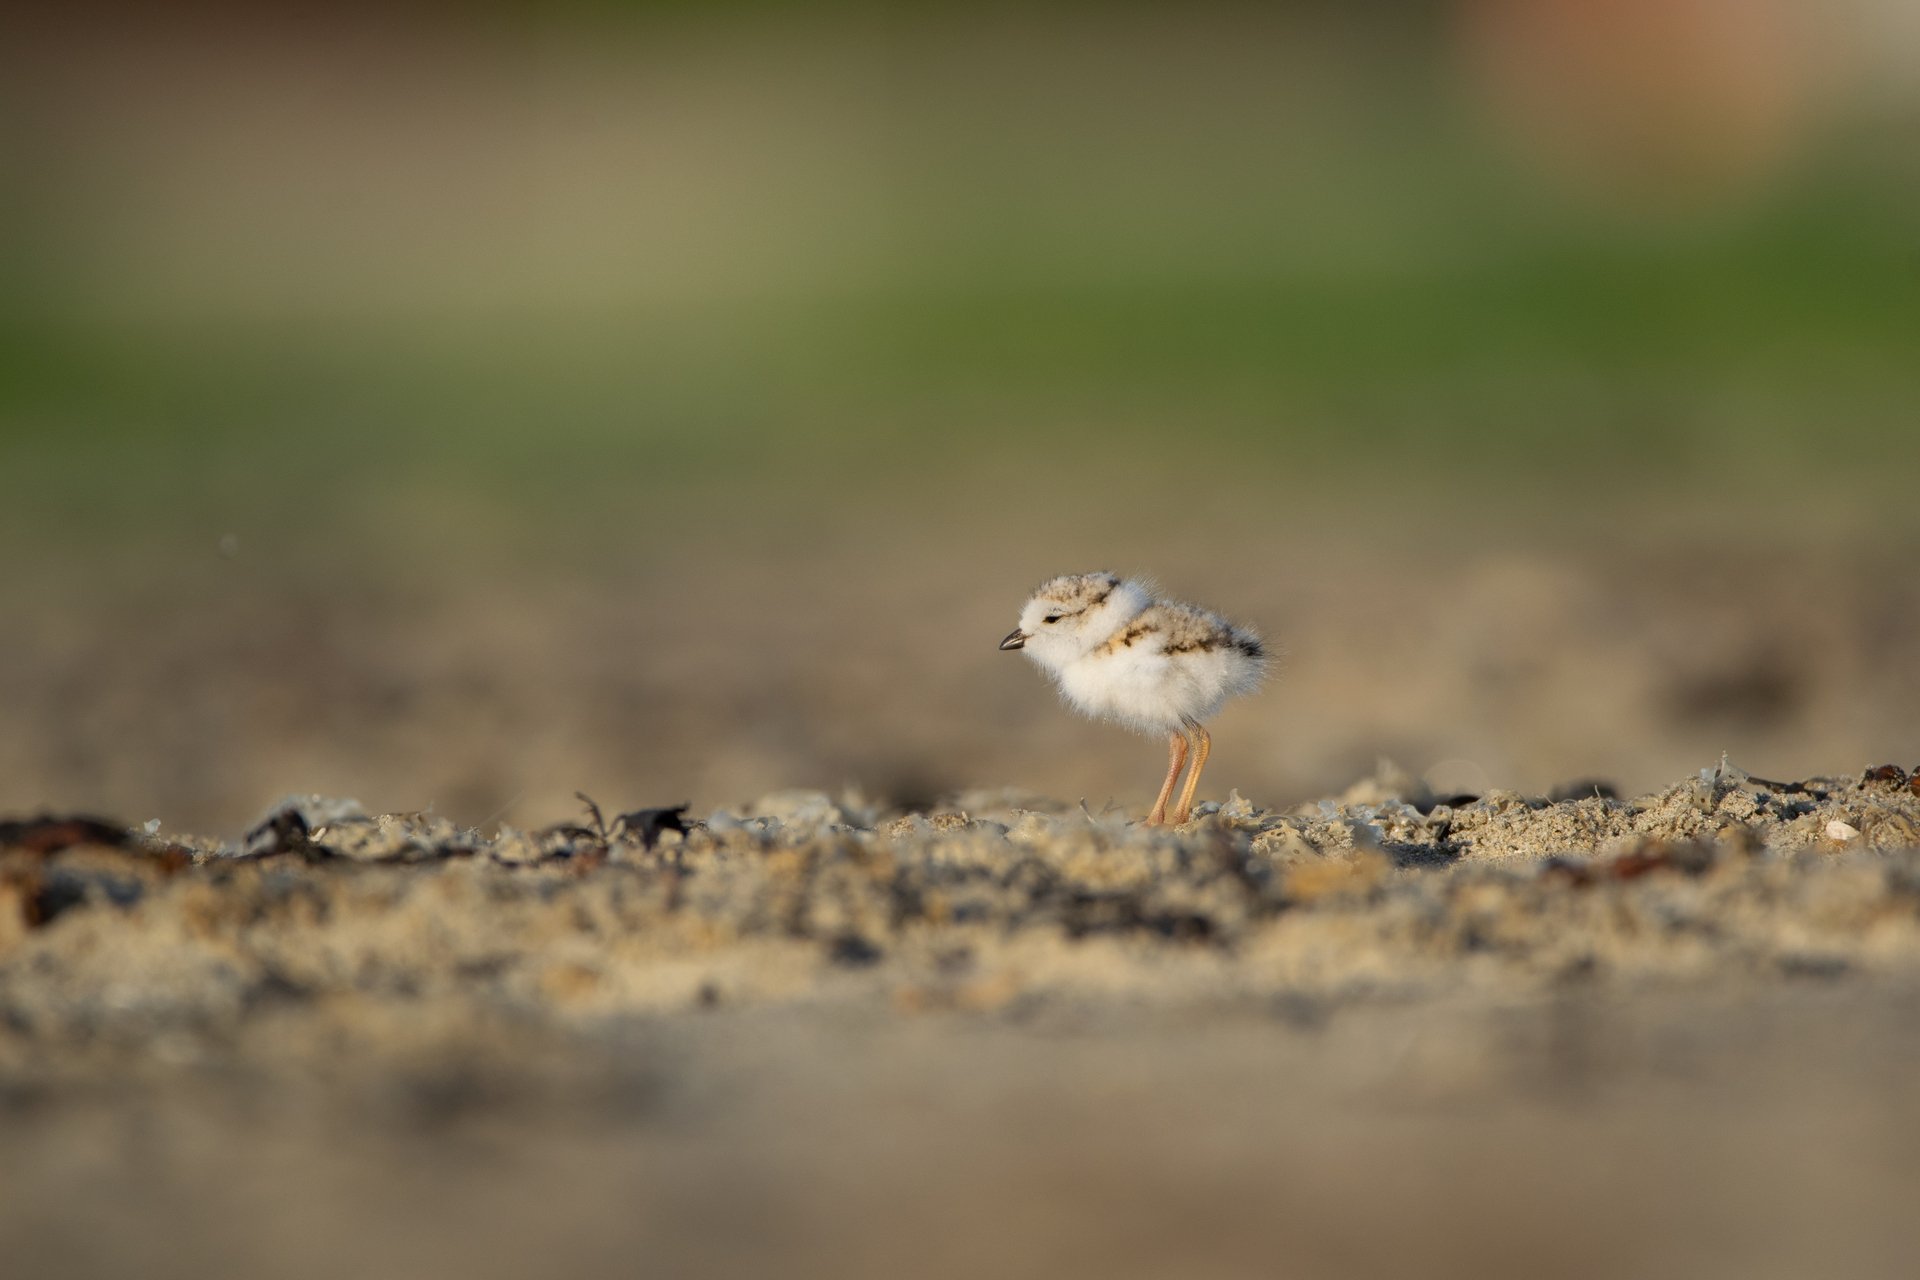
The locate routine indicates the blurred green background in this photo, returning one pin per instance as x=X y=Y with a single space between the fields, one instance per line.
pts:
x=459 y=404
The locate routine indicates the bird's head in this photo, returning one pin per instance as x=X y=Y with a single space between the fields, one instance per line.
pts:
x=1067 y=616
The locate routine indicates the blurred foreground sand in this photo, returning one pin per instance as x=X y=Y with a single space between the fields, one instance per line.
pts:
x=1384 y=1032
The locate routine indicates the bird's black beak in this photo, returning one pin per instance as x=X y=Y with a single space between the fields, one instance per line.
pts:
x=1016 y=639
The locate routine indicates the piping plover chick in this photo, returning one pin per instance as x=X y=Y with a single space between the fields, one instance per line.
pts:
x=1152 y=665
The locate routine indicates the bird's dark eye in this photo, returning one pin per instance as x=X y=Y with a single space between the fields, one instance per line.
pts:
x=1052 y=617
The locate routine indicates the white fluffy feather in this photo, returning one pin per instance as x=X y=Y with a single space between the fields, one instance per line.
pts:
x=1118 y=654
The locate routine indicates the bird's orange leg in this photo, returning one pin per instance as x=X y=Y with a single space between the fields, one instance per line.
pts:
x=1176 y=757
x=1202 y=746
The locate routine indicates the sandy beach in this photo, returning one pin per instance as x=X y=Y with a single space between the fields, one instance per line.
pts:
x=1477 y=1035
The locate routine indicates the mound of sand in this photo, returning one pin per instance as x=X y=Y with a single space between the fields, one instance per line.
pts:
x=1001 y=1032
